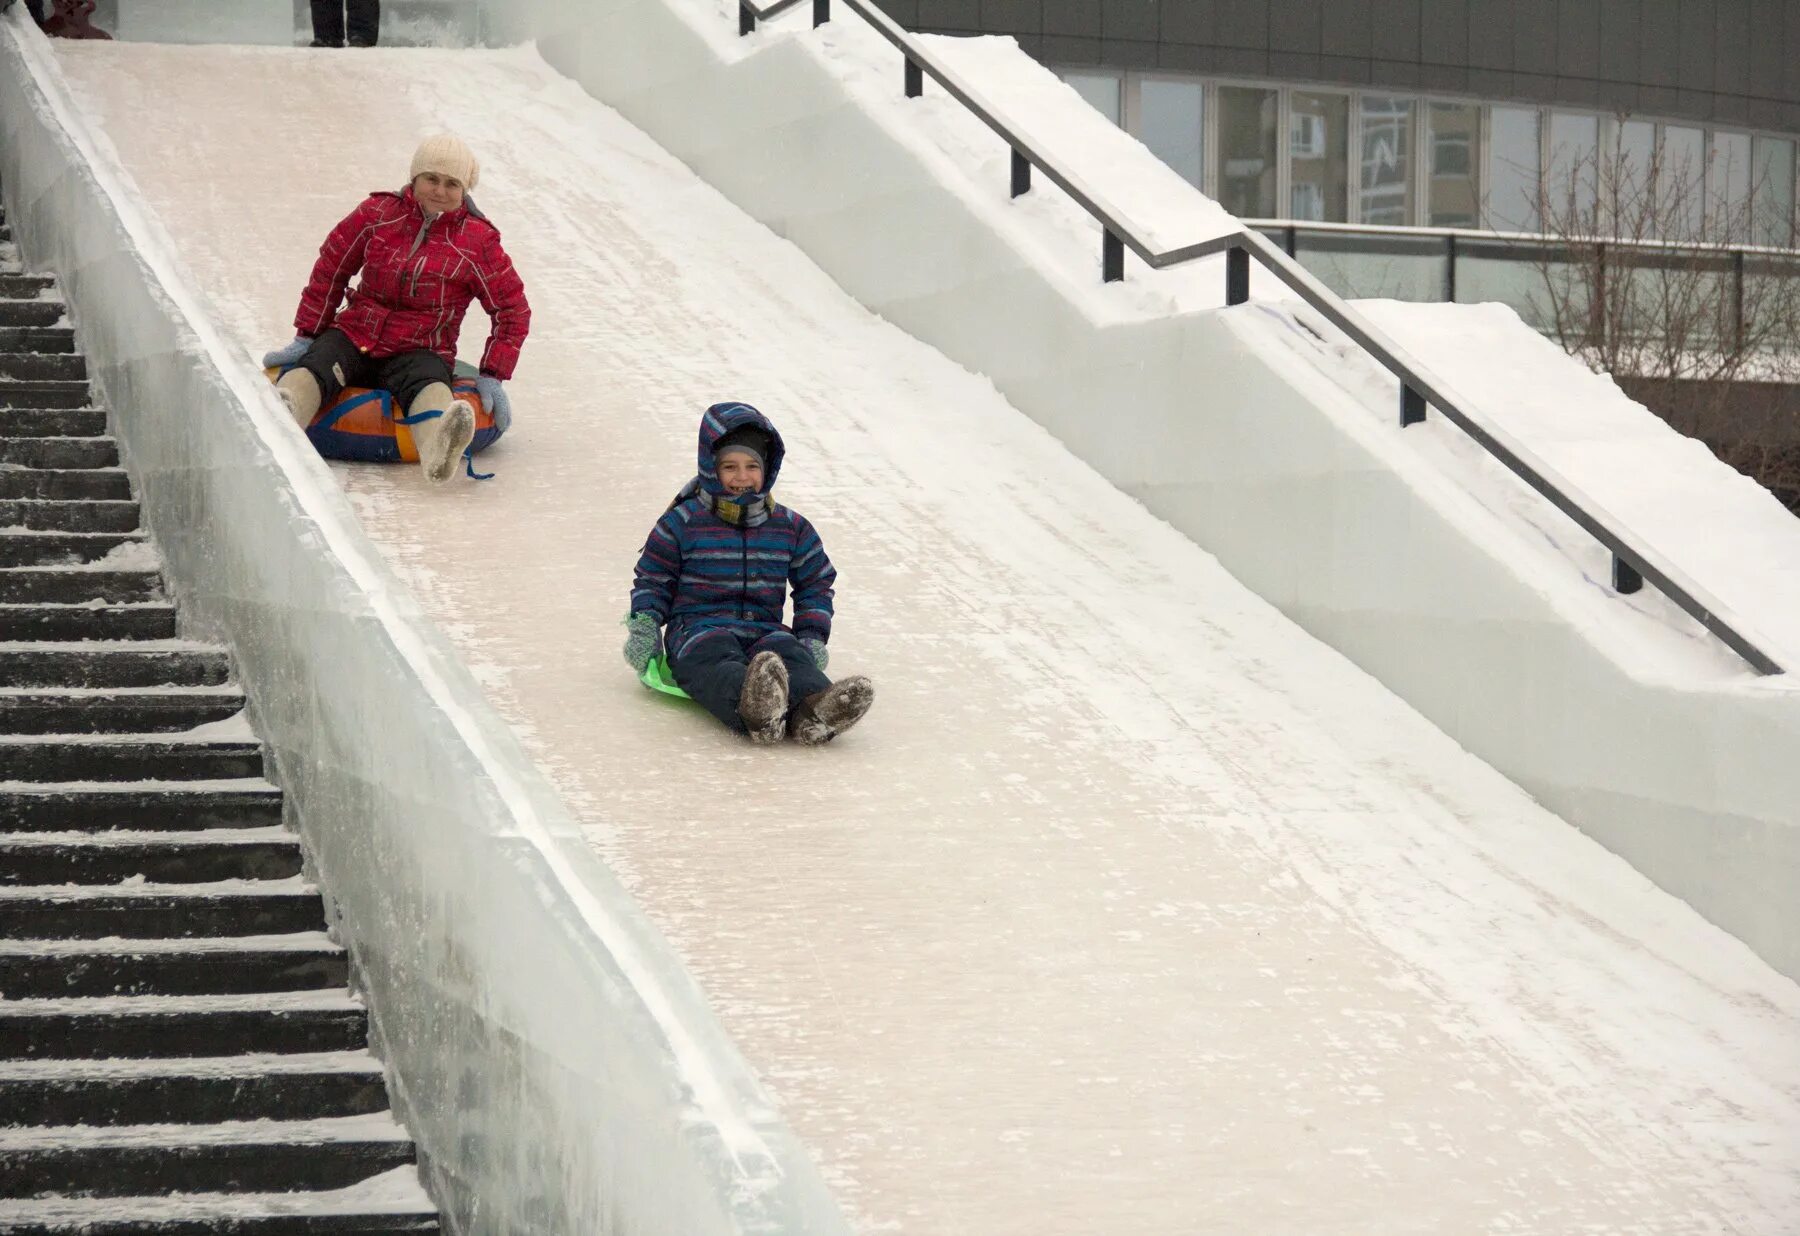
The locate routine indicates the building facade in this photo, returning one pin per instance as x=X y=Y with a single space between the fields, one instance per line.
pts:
x=1446 y=113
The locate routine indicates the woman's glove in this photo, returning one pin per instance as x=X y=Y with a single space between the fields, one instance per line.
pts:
x=493 y=397
x=288 y=354
x=644 y=641
x=815 y=649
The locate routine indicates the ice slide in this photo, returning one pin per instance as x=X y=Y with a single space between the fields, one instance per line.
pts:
x=1132 y=908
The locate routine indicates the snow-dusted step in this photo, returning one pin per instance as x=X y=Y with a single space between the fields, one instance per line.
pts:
x=297 y=961
x=46 y=395
x=74 y=584
x=26 y=287
x=228 y=1157
x=31 y=312
x=90 y=620
x=123 y=664
x=37 y=338
x=177 y=805
x=202 y=857
x=42 y=366
x=53 y=422
x=191 y=1090
x=102 y=452
x=125 y=757
x=98 y=1027
x=33 y=547
x=392 y=1202
x=65 y=483
x=126 y=710
x=50 y=516
x=159 y=911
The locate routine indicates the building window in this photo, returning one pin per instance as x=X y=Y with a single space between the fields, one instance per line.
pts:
x=1101 y=90
x=1386 y=196
x=1513 y=170
x=1628 y=183
x=1572 y=174
x=1728 y=187
x=1454 y=139
x=1248 y=152
x=1774 y=192
x=1319 y=154
x=1680 y=180
x=1169 y=122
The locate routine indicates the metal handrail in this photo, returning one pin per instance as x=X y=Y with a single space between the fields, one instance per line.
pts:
x=1631 y=564
x=1488 y=236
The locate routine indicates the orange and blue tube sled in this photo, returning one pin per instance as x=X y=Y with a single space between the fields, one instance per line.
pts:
x=364 y=426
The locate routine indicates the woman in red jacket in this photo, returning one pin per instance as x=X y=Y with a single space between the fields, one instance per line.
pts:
x=424 y=252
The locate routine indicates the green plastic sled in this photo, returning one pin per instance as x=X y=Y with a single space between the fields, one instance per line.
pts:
x=657 y=677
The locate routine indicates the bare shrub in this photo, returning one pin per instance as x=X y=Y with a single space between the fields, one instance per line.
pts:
x=1644 y=272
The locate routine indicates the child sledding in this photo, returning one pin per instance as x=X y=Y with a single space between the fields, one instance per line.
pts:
x=715 y=572
x=424 y=253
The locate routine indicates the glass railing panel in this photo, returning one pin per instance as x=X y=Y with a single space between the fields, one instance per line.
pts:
x=1364 y=267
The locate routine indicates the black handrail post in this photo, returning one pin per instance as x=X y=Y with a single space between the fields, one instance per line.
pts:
x=1237 y=275
x=746 y=20
x=1450 y=268
x=1625 y=577
x=1293 y=239
x=1412 y=406
x=915 y=79
x=1739 y=328
x=1112 y=257
x=821 y=12
x=1597 y=310
x=1021 y=173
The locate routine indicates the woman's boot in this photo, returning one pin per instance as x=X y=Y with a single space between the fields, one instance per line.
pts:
x=299 y=390
x=441 y=439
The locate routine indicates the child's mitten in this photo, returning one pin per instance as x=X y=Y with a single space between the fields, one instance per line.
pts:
x=644 y=641
x=493 y=398
x=815 y=649
x=287 y=353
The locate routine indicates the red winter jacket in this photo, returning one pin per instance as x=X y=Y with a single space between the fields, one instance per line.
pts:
x=416 y=285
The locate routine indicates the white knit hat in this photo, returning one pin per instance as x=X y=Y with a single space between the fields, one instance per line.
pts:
x=447 y=156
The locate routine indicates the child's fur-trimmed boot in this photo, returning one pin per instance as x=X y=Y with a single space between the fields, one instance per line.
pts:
x=763 y=701
x=825 y=714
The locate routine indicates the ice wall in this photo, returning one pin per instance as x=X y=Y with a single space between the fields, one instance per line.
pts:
x=1675 y=757
x=557 y=1067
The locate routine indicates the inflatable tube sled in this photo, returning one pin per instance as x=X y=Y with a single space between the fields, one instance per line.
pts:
x=658 y=677
x=363 y=425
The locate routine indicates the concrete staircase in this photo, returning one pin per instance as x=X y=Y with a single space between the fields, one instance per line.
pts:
x=179 y=1049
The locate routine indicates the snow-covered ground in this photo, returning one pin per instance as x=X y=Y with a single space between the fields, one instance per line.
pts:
x=1131 y=908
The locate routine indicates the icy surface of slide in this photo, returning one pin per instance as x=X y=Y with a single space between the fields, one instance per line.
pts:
x=1131 y=909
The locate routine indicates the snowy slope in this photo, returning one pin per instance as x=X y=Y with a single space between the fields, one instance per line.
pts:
x=1132 y=909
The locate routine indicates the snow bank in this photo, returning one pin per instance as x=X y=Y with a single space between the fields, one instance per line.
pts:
x=559 y=1069
x=1468 y=596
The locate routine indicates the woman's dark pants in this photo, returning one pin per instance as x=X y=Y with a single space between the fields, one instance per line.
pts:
x=329 y=26
x=335 y=363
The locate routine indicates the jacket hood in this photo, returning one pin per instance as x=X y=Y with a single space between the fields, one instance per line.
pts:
x=721 y=419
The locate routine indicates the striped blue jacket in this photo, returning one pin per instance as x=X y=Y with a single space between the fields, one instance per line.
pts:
x=717 y=564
